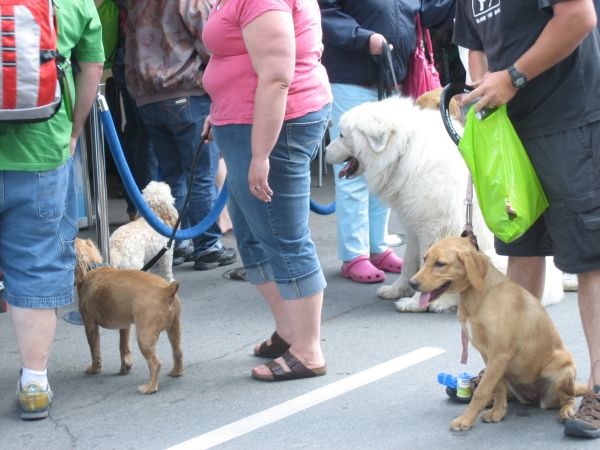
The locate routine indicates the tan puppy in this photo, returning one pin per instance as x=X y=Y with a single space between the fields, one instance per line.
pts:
x=520 y=345
x=115 y=299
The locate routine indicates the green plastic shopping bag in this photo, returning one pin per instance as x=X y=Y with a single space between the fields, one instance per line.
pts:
x=510 y=195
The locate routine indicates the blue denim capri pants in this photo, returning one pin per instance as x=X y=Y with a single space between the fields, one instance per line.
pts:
x=38 y=226
x=273 y=238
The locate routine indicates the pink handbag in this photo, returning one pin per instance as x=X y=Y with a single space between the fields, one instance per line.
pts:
x=421 y=76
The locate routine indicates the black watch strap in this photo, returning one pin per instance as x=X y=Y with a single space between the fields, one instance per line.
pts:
x=519 y=80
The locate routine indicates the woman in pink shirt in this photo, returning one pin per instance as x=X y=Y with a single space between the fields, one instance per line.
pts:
x=270 y=107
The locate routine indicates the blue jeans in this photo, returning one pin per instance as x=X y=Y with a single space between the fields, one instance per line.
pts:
x=136 y=143
x=38 y=226
x=174 y=127
x=361 y=218
x=273 y=238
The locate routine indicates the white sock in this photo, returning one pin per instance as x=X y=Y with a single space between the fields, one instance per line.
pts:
x=34 y=376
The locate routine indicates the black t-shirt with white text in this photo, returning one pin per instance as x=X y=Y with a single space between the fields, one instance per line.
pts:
x=565 y=96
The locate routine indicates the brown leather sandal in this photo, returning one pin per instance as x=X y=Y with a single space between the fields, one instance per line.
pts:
x=275 y=349
x=477 y=379
x=297 y=370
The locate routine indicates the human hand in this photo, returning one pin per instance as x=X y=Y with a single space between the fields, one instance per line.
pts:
x=494 y=89
x=258 y=179
x=73 y=145
x=207 y=130
x=376 y=43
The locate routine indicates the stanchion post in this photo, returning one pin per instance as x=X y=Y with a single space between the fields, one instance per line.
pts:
x=99 y=175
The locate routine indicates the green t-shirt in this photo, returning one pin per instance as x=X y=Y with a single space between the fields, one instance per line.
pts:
x=108 y=11
x=45 y=145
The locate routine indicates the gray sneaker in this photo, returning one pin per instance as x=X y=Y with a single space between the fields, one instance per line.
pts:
x=586 y=422
x=183 y=252
x=222 y=257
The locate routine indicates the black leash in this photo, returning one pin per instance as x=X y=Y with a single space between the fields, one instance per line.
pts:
x=383 y=89
x=186 y=202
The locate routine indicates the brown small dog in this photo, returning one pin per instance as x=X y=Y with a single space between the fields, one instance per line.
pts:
x=431 y=100
x=520 y=345
x=115 y=299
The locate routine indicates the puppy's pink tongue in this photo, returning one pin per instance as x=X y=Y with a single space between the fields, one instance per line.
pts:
x=424 y=299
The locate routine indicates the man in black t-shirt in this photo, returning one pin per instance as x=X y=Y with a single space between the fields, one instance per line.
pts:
x=542 y=59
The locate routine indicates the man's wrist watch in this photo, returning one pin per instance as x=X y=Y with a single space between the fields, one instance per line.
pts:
x=519 y=80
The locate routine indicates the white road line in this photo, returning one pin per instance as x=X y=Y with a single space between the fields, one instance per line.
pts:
x=286 y=409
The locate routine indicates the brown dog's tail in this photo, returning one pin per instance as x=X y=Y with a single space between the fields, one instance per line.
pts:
x=171 y=290
x=580 y=389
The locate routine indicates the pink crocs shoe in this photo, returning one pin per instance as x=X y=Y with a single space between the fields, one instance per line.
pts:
x=361 y=270
x=387 y=261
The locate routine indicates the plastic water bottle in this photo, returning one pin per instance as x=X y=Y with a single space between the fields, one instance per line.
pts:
x=445 y=379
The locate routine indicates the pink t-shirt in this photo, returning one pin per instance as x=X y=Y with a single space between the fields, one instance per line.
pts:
x=230 y=79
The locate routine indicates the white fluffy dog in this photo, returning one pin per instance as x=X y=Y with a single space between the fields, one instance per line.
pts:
x=135 y=243
x=412 y=165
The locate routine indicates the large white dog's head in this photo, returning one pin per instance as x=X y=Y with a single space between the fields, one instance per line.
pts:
x=373 y=135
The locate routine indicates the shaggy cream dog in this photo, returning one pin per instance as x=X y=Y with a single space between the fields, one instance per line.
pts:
x=412 y=165
x=134 y=244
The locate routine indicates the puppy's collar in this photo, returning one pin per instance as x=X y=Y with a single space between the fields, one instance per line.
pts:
x=93 y=266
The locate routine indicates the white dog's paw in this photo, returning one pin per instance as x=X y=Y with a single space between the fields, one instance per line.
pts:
x=444 y=303
x=393 y=291
x=408 y=304
x=388 y=292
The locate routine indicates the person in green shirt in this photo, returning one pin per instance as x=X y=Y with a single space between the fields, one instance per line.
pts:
x=38 y=206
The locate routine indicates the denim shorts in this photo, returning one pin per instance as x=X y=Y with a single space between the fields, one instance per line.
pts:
x=273 y=238
x=38 y=225
x=568 y=166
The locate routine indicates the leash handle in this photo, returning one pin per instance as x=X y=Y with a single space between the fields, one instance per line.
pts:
x=386 y=62
x=449 y=91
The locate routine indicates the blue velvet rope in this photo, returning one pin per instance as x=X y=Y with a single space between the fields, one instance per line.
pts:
x=323 y=210
x=136 y=196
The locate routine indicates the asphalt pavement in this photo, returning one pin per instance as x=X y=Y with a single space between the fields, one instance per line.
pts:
x=381 y=391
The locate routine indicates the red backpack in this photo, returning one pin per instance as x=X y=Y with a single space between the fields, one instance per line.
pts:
x=30 y=74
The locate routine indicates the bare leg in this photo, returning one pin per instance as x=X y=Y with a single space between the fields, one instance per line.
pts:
x=589 y=309
x=529 y=272
x=271 y=294
x=35 y=330
x=303 y=318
